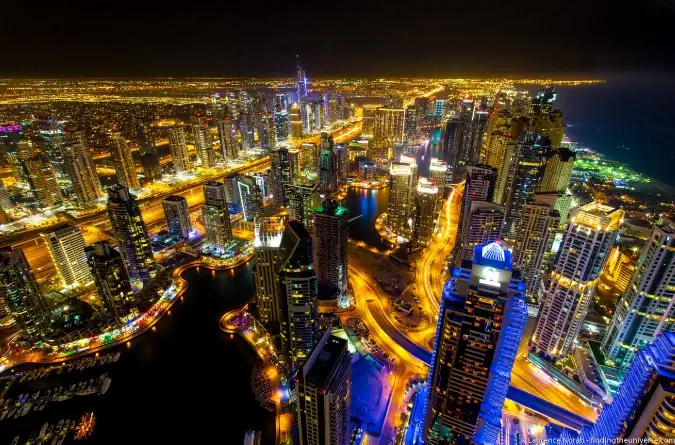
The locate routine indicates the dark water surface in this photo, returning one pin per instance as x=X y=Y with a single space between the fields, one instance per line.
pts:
x=188 y=382
x=369 y=204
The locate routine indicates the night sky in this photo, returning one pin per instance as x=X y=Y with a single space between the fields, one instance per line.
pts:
x=255 y=38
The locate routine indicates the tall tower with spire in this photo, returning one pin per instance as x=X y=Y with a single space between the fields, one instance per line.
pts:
x=302 y=78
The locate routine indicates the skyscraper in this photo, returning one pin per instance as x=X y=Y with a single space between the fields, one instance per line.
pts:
x=20 y=293
x=643 y=407
x=482 y=317
x=484 y=223
x=479 y=186
x=581 y=257
x=501 y=155
x=280 y=175
x=453 y=141
x=177 y=216
x=227 y=132
x=646 y=308
x=328 y=165
x=388 y=129
x=296 y=121
x=125 y=169
x=217 y=223
x=152 y=169
x=438 y=171
x=11 y=135
x=426 y=212
x=323 y=394
x=66 y=249
x=302 y=200
x=474 y=140
x=534 y=240
x=558 y=170
x=81 y=167
x=52 y=141
x=525 y=174
x=297 y=291
x=179 y=150
x=401 y=187
x=268 y=232
x=131 y=234
x=42 y=180
x=145 y=139
x=203 y=142
x=282 y=124
x=331 y=233
x=112 y=280
x=301 y=78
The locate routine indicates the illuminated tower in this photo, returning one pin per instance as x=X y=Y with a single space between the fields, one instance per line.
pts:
x=426 y=212
x=485 y=220
x=42 y=180
x=582 y=256
x=330 y=239
x=66 y=249
x=217 y=223
x=268 y=232
x=298 y=291
x=81 y=168
x=647 y=307
x=179 y=150
x=282 y=124
x=125 y=169
x=11 y=136
x=302 y=200
x=152 y=169
x=323 y=394
x=296 y=121
x=525 y=172
x=145 y=139
x=280 y=175
x=481 y=321
x=203 y=142
x=52 y=141
x=177 y=216
x=112 y=280
x=328 y=165
x=453 y=140
x=227 y=132
x=301 y=77
x=644 y=405
x=388 y=129
x=479 y=187
x=534 y=241
x=131 y=234
x=438 y=171
x=558 y=171
x=368 y=122
x=401 y=186
x=20 y=293
x=474 y=141
x=410 y=124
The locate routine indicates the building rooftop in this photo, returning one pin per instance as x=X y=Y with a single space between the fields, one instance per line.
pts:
x=320 y=370
x=492 y=255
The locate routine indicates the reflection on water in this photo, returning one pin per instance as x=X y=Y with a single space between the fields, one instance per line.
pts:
x=188 y=382
x=369 y=204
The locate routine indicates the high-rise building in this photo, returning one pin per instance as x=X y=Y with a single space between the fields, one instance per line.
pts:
x=501 y=155
x=216 y=216
x=268 y=233
x=227 y=132
x=11 y=135
x=328 y=168
x=474 y=140
x=81 y=168
x=438 y=171
x=177 y=216
x=125 y=169
x=646 y=308
x=152 y=168
x=20 y=294
x=479 y=186
x=561 y=201
x=131 y=234
x=112 y=280
x=481 y=321
x=484 y=222
x=581 y=257
x=250 y=196
x=282 y=124
x=203 y=142
x=42 y=180
x=388 y=128
x=323 y=394
x=179 y=150
x=426 y=212
x=534 y=241
x=644 y=405
x=410 y=123
x=145 y=139
x=368 y=122
x=558 y=170
x=66 y=249
x=401 y=188
x=453 y=141
x=52 y=141
x=524 y=177
x=298 y=294
x=296 y=121
x=301 y=78
x=331 y=233
x=280 y=175
x=302 y=200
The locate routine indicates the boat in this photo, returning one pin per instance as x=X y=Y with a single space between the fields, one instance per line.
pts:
x=63 y=396
x=43 y=430
x=15 y=441
x=116 y=356
x=105 y=385
x=26 y=408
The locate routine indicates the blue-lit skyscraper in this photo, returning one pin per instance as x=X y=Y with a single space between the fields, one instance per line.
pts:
x=302 y=79
x=483 y=314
